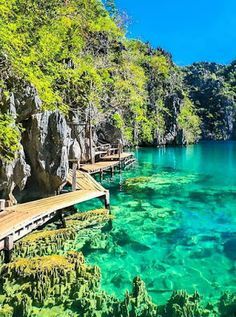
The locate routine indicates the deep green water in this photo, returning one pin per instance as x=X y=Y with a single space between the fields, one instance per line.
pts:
x=177 y=230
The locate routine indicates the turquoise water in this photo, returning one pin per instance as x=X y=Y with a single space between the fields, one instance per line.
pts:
x=176 y=228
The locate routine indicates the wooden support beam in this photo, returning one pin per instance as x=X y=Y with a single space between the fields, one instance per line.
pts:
x=101 y=174
x=62 y=218
x=74 y=169
x=8 y=248
x=119 y=154
x=2 y=204
x=107 y=200
x=112 y=171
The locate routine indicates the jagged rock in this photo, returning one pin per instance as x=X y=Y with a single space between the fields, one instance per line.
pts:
x=109 y=133
x=138 y=303
x=23 y=98
x=183 y=305
x=75 y=150
x=13 y=174
x=46 y=142
x=173 y=134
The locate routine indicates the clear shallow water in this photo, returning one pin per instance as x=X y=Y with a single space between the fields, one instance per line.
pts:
x=177 y=228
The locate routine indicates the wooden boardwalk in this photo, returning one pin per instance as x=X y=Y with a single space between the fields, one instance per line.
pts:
x=108 y=163
x=17 y=221
x=99 y=167
x=85 y=182
x=116 y=157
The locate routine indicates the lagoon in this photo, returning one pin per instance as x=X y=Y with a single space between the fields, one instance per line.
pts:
x=175 y=223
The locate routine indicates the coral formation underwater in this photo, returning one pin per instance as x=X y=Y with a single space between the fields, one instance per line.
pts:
x=48 y=277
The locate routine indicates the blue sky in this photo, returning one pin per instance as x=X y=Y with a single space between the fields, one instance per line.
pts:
x=192 y=30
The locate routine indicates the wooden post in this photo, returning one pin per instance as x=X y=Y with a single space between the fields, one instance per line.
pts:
x=119 y=152
x=74 y=169
x=2 y=204
x=107 y=200
x=112 y=171
x=101 y=174
x=62 y=219
x=92 y=158
x=8 y=248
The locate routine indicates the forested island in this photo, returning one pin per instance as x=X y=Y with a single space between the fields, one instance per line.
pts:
x=69 y=72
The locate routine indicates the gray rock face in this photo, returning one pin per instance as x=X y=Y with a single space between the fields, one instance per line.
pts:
x=23 y=100
x=108 y=133
x=173 y=134
x=47 y=143
x=12 y=175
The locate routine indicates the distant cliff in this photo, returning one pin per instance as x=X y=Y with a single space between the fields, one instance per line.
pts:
x=212 y=88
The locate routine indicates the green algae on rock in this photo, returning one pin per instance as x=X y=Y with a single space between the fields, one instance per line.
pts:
x=158 y=181
x=45 y=242
x=47 y=281
x=181 y=304
x=72 y=288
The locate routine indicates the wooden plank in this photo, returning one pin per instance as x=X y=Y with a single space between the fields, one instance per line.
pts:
x=97 y=167
x=19 y=216
x=116 y=157
x=85 y=181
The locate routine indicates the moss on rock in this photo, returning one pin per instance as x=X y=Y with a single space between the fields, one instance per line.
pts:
x=47 y=281
x=158 y=182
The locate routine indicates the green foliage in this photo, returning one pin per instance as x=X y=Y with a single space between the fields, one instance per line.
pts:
x=40 y=38
x=212 y=90
x=10 y=135
x=189 y=121
x=160 y=65
x=77 y=57
x=118 y=121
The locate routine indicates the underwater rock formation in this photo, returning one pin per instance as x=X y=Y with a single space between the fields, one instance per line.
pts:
x=158 y=182
x=49 y=280
x=138 y=303
x=45 y=279
x=227 y=305
x=181 y=304
x=230 y=249
x=48 y=242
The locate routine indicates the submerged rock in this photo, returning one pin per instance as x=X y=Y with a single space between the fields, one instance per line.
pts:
x=227 y=305
x=48 y=242
x=183 y=305
x=230 y=249
x=157 y=182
